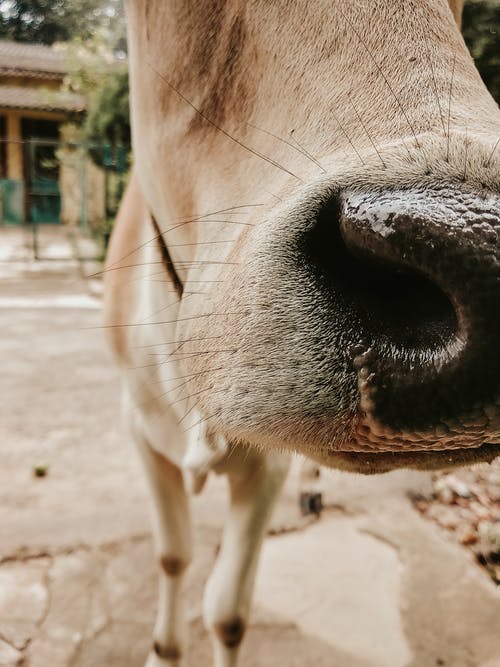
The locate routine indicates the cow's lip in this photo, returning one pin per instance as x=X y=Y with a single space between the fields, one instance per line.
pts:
x=373 y=463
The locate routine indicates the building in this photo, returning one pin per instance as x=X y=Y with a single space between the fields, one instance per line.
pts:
x=33 y=107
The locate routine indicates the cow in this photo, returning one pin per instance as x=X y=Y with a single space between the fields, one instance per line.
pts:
x=306 y=259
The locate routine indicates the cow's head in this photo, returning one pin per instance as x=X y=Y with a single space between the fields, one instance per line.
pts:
x=326 y=177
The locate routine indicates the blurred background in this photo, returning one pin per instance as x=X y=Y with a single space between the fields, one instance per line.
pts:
x=64 y=120
x=400 y=570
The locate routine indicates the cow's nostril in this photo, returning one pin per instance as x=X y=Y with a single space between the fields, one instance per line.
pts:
x=414 y=277
x=390 y=300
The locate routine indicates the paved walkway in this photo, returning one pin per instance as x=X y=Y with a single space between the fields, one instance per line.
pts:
x=371 y=584
x=25 y=243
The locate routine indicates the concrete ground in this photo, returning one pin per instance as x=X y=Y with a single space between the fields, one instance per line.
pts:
x=370 y=584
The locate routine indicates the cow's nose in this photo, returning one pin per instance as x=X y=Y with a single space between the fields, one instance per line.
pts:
x=419 y=272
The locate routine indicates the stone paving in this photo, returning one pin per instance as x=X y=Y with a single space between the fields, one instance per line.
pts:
x=370 y=584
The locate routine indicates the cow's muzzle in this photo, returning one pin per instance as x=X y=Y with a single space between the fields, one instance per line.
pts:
x=419 y=272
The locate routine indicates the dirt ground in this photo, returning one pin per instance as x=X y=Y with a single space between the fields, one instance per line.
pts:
x=466 y=504
x=371 y=584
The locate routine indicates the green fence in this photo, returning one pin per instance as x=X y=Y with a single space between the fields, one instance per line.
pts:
x=69 y=183
x=12 y=198
x=45 y=202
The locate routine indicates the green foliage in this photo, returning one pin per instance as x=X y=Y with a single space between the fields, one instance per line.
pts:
x=107 y=119
x=102 y=79
x=481 y=30
x=49 y=21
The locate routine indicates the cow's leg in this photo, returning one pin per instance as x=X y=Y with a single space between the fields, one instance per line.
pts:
x=173 y=543
x=254 y=487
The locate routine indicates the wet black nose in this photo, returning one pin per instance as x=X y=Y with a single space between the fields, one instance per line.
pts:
x=419 y=273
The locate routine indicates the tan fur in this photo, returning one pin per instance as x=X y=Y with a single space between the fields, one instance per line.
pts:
x=244 y=114
x=456 y=7
x=381 y=123
x=121 y=269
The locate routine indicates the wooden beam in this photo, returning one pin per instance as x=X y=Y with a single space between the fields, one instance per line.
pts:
x=14 y=146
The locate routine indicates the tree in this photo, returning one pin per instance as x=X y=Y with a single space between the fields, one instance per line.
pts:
x=49 y=21
x=107 y=120
x=102 y=79
x=481 y=30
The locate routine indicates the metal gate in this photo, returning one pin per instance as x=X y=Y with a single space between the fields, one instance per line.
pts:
x=12 y=197
x=41 y=167
x=77 y=186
